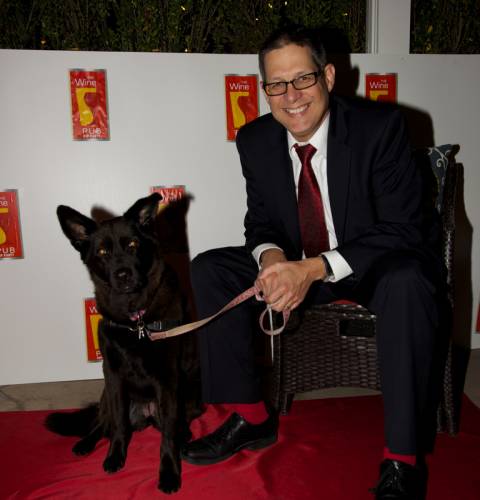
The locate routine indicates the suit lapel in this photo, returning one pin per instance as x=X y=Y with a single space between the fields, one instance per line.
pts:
x=338 y=167
x=284 y=186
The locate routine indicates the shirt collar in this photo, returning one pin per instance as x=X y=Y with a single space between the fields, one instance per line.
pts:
x=318 y=139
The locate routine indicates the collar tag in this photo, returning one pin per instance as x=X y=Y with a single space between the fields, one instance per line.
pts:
x=142 y=330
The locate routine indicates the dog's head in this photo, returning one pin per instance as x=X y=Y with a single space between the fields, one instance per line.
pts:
x=120 y=253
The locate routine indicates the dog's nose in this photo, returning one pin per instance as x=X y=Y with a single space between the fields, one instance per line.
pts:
x=123 y=274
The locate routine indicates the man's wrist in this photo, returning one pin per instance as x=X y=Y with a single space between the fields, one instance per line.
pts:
x=315 y=268
x=271 y=255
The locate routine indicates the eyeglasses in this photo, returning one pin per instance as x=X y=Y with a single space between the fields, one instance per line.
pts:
x=300 y=83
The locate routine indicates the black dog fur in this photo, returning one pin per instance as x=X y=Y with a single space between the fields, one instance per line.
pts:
x=146 y=382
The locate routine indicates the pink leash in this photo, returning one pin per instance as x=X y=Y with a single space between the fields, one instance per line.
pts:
x=250 y=292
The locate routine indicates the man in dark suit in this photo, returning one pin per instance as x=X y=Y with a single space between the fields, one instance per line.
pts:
x=334 y=211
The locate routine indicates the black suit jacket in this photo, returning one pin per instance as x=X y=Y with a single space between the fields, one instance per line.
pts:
x=374 y=186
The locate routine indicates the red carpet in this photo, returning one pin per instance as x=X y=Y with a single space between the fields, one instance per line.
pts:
x=327 y=449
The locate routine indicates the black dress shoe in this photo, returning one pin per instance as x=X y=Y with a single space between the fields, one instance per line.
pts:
x=401 y=481
x=233 y=435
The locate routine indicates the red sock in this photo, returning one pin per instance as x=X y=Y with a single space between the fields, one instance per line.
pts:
x=253 y=413
x=408 y=459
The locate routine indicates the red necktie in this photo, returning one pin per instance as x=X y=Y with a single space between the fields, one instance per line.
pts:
x=310 y=206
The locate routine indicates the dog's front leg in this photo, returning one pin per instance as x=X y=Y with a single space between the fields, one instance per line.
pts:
x=170 y=464
x=120 y=430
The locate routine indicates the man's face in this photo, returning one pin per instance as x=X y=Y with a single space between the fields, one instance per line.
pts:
x=300 y=111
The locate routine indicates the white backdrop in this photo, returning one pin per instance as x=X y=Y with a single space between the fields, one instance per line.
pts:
x=167 y=126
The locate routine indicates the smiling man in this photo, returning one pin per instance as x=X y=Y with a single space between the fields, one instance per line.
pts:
x=302 y=106
x=334 y=211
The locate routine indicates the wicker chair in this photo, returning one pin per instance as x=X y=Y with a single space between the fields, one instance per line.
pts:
x=333 y=345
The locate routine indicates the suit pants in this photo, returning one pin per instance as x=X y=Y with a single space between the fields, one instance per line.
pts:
x=401 y=291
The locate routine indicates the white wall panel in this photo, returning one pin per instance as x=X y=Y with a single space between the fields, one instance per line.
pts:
x=167 y=123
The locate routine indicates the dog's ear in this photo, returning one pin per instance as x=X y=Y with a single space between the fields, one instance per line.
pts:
x=144 y=210
x=76 y=227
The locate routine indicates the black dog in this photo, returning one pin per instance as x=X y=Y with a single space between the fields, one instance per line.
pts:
x=146 y=382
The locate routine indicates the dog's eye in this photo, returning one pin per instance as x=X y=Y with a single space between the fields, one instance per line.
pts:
x=102 y=252
x=133 y=244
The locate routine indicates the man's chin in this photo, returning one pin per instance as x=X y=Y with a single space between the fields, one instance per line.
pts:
x=301 y=134
x=300 y=128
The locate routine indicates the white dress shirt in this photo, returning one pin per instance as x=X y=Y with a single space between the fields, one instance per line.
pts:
x=339 y=265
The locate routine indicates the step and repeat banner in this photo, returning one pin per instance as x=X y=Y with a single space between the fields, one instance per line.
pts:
x=96 y=131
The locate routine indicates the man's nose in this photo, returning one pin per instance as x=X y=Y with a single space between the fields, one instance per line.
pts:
x=292 y=93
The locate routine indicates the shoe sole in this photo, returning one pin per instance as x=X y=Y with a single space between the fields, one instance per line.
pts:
x=253 y=445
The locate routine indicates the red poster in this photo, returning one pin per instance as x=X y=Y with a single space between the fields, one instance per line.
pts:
x=88 y=92
x=241 y=94
x=92 y=317
x=10 y=232
x=381 y=87
x=169 y=194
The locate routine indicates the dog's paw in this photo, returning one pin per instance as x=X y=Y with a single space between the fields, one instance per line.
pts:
x=83 y=447
x=169 y=482
x=113 y=463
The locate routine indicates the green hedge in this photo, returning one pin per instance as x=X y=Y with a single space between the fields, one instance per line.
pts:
x=445 y=27
x=228 y=26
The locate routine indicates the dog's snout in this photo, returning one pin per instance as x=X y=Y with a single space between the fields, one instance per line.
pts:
x=125 y=279
x=123 y=274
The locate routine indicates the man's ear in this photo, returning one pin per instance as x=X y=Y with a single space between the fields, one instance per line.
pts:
x=144 y=210
x=329 y=76
x=76 y=227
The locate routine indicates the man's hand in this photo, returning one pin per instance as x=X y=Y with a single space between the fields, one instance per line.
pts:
x=284 y=284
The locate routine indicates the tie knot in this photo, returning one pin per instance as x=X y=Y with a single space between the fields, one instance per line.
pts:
x=305 y=153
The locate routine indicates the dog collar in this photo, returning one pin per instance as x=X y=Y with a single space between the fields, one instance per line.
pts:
x=145 y=330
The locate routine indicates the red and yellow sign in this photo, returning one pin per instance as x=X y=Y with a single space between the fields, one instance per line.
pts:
x=92 y=318
x=241 y=94
x=381 y=87
x=169 y=194
x=88 y=92
x=10 y=232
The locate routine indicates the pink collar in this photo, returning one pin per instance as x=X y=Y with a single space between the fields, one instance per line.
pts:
x=135 y=316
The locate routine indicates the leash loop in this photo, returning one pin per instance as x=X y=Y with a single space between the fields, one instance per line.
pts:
x=272 y=332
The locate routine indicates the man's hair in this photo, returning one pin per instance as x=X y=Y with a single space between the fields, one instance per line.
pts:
x=298 y=35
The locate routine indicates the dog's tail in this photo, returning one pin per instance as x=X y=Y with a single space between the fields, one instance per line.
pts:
x=77 y=423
